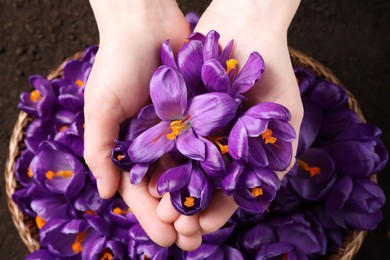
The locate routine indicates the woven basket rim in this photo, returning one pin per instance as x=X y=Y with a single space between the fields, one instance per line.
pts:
x=26 y=226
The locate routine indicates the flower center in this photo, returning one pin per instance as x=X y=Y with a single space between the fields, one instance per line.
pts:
x=39 y=221
x=120 y=157
x=79 y=83
x=176 y=127
x=267 y=137
x=119 y=211
x=285 y=256
x=77 y=246
x=35 y=96
x=89 y=212
x=63 y=128
x=257 y=191
x=30 y=173
x=231 y=65
x=189 y=202
x=106 y=254
x=216 y=139
x=63 y=174
x=313 y=171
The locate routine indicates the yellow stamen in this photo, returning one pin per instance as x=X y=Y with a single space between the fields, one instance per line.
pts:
x=63 y=128
x=63 y=174
x=35 y=96
x=39 y=221
x=79 y=83
x=231 y=65
x=89 y=212
x=119 y=211
x=267 y=137
x=216 y=139
x=30 y=173
x=313 y=171
x=189 y=202
x=106 y=255
x=77 y=247
x=120 y=157
x=257 y=191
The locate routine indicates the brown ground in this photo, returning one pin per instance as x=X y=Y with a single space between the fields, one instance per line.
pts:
x=351 y=37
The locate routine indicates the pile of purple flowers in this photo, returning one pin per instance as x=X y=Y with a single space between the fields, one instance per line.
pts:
x=197 y=116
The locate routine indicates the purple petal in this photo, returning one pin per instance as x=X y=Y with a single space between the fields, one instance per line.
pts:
x=211 y=47
x=214 y=164
x=257 y=156
x=137 y=172
x=210 y=112
x=338 y=195
x=175 y=178
x=191 y=146
x=167 y=57
x=249 y=74
x=229 y=183
x=168 y=93
x=214 y=77
x=238 y=141
x=254 y=127
x=225 y=55
x=151 y=144
x=328 y=95
x=269 y=110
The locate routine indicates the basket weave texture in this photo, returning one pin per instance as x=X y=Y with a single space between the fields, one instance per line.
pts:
x=26 y=226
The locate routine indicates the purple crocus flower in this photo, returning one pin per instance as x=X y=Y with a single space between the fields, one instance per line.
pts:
x=41 y=101
x=262 y=137
x=182 y=122
x=328 y=95
x=72 y=136
x=64 y=238
x=56 y=169
x=256 y=188
x=354 y=203
x=77 y=72
x=121 y=215
x=188 y=186
x=257 y=237
x=89 y=201
x=305 y=78
x=70 y=95
x=192 y=18
x=358 y=151
x=141 y=247
x=44 y=253
x=89 y=54
x=99 y=247
x=287 y=199
x=316 y=174
x=38 y=131
x=23 y=171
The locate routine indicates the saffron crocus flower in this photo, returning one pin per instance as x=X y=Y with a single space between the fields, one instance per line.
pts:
x=90 y=201
x=358 y=151
x=121 y=214
x=256 y=189
x=316 y=174
x=287 y=199
x=72 y=136
x=141 y=247
x=262 y=137
x=89 y=54
x=305 y=78
x=41 y=101
x=77 y=72
x=70 y=95
x=38 y=131
x=188 y=186
x=23 y=171
x=99 y=247
x=252 y=242
x=328 y=95
x=56 y=169
x=45 y=254
x=64 y=238
x=182 y=121
x=354 y=203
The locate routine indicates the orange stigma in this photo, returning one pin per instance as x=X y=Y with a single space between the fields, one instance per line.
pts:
x=77 y=246
x=176 y=127
x=39 y=221
x=63 y=174
x=35 y=96
x=216 y=139
x=257 y=191
x=106 y=255
x=313 y=171
x=63 y=128
x=268 y=138
x=119 y=211
x=231 y=65
x=120 y=157
x=79 y=83
x=189 y=202
x=30 y=173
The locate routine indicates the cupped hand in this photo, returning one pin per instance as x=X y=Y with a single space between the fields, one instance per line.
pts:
x=131 y=33
x=255 y=26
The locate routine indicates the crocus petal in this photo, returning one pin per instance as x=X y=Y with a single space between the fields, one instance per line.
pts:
x=175 y=178
x=137 y=172
x=229 y=183
x=225 y=55
x=167 y=57
x=211 y=46
x=214 y=77
x=210 y=112
x=151 y=144
x=191 y=146
x=189 y=61
x=249 y=74
x=269 y=110
x=257 y=156
x=254 y=127
x=328 y=95
x=168 y=93
x=238 y=141
x=214 y=164
x=338 y=195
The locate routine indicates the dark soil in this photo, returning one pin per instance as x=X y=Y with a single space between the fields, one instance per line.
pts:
x=351 y=37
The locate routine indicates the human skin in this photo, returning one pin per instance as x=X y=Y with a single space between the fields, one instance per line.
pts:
x=116 y=79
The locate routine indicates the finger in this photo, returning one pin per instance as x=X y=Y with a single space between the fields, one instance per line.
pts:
x=165 y=163
x=217 y=213
x=189 y=243
x=187 y=225
x=165 y=211
x=143 y=205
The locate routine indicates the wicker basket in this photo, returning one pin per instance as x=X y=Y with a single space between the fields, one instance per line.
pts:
x=26 y=226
